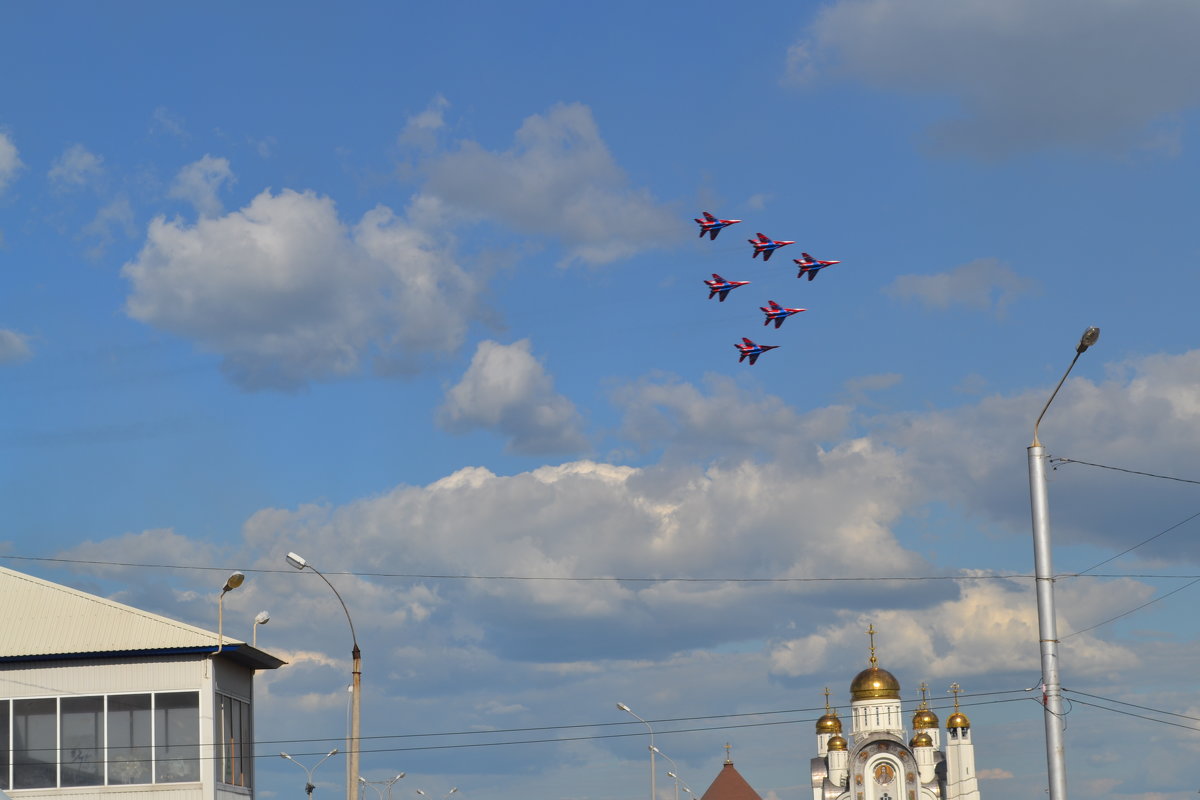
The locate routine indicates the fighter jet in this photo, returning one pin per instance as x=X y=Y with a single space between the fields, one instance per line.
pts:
x=719 y=285
x=766 y=246
x=778 y=313
x=811 y=265
x=752 y=350
x=712 y=226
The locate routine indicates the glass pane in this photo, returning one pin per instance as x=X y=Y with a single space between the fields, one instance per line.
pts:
x=4 y=745
x=246 y=754
x=177 y=737
x=81 y=737
x=35 y=745
x=128 y=738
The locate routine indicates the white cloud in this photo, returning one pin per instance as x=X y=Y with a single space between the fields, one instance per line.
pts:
x=1028 y=74
x=558 y=179
x=10 y=162
x=507 y=390
x=972 y=634
x=76 y=167
x=421 y=130
x=984 y=284
x=163 y=119
x=286 y=293
x=199 y=183
x=117 y=214
x=14 y=347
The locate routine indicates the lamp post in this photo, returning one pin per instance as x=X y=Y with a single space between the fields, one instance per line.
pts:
x=355 y=685
x=674 y=775
x=1044 y=574
x=231 y=583
x=308 y=773
x=653 y=749
x=261 y=618
x=388 y=783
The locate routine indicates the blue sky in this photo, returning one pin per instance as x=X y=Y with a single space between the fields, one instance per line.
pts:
x=415 y=291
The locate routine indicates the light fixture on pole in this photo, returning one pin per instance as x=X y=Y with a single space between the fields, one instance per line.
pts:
x=308 y=772
x=388 y=783
x=1044 y=579
x=231 y=583
x=673 y=775
x=352 y=755
x=653 y=749
x=261 y=618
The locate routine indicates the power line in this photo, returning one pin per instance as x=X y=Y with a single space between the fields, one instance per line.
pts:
x=1055 y=461
x=1151 y=602
x=1136 y=546
x=1139 y=716
x=587 y=579
x=1131 y=705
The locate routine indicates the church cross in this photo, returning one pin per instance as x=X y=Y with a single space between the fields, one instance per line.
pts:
x=955 y=688
x=728 y=753
x=871 y=633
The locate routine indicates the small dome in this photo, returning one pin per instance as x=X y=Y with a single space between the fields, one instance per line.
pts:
x=874 y=683
x=958 y=720
x=829 y=723
x=924 y=719
x=836 y=743
x=921 y=740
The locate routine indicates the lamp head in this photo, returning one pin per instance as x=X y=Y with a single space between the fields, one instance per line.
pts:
x=361 y=779
x=398 y=777
x=262 y=618
x=1089 y=338
x=622 y=707
x=234 y=581
x=285 y=755
x=420 y=793
x=296 y=561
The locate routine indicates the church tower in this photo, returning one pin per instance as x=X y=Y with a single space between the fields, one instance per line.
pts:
x=875 y=759
x=961 y=782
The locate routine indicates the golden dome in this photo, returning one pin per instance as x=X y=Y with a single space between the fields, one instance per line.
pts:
x=836 y=743
x=829 y=723
x=921 y=740
x=924 y=719
x=874 y=683
x=958 y=720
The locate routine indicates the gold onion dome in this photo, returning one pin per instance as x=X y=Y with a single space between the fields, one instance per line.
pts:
x=924 y=719
x=829 y=723
x=836 y=743
x=874 y=683
x=958 y=720
x=922 y=739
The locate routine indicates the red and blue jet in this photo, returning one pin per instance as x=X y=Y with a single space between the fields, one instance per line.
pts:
x=811 y=265
x=712 y=226
x=752 y=350
x=719 y=285
x=778 y=313
x=766 y=246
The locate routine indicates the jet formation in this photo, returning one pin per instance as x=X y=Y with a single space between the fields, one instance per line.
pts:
x=764 y=246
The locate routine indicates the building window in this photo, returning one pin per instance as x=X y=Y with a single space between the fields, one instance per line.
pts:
x=176 y=737
x=232 y=721
x=129 y=752
x=35 y=744
x=62 y=742
x=81 y=741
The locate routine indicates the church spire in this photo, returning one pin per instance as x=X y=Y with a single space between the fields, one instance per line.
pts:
x=728 y=753
x=871 y=633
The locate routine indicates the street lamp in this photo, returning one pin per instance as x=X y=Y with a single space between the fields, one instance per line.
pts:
x=375 y=784
x=453 y=789
x=653 y=749
x=308 y=773
x=1044 y=574
x=355 y=687
x=261 y=618
x=674 y=775
x=231 y=583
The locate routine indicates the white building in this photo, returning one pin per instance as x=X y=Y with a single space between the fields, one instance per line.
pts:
x=101 y=700
x=878 y=761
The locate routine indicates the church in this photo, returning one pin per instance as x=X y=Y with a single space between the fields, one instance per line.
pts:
x=875 y=759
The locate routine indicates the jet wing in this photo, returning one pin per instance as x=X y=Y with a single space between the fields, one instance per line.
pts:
x=754 y=357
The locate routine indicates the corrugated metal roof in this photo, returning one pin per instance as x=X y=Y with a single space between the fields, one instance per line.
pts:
x=41 y=619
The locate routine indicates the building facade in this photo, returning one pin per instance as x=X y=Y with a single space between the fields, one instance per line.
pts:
x=876 y=760
x=102 y=700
